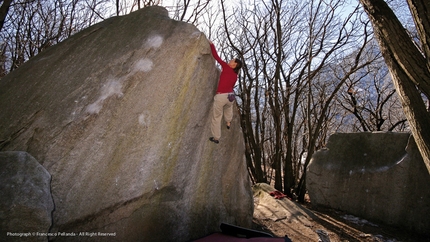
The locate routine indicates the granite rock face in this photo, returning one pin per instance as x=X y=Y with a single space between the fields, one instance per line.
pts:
x=26 y=203
x=119 y=114
x=377 y=176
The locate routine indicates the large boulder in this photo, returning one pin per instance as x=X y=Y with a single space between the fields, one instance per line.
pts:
x=119 y=114
x=378 y=176
x=26 y=203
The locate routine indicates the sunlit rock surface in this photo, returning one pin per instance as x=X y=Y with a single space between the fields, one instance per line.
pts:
x=378 y=176
x=119 y=114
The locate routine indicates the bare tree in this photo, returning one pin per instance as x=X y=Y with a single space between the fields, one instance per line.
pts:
x=319 y=95
x=286 y=93
x=370 y=96
x=123 y=7
x=33 y=25
x=192 y=11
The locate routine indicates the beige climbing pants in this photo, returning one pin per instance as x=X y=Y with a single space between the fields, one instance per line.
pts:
x=221 y=106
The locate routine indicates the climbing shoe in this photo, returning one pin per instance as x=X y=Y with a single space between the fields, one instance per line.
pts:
x=214 y=140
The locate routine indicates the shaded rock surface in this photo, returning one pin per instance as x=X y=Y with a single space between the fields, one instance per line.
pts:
x=119 y=114
x=26 y=203
x=377 y=176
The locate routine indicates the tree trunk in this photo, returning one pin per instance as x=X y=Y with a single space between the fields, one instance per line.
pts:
x=419 y=10
x=4 y=9
x=407 y=64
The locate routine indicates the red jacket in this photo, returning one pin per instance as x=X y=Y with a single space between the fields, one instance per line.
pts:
x=228 y=77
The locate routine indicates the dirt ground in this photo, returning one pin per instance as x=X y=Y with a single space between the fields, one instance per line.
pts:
x=301 y=222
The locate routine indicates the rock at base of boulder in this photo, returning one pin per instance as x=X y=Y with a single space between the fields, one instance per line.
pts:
x=26 y=203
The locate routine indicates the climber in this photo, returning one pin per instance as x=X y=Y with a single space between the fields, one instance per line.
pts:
x=224 y=98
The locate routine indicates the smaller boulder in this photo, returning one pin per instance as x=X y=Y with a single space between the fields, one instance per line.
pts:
x=377 y=176
x=271 y=205
x=26 y=203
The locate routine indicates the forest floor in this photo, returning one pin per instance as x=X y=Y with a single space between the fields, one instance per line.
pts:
x=302 y=223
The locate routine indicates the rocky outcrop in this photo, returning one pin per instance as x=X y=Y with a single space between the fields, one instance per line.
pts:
x=377 y=176
x=119 y=115
x=284 y=211
x=26 y=204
